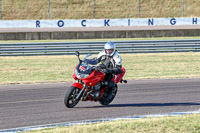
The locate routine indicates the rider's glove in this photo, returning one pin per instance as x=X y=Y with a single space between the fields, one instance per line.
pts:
x=107 y=70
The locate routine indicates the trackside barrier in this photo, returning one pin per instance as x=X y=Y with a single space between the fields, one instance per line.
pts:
x=68 y=48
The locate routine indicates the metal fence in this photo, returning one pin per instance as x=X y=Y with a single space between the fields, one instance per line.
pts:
x=90 y=9
x=68 y=48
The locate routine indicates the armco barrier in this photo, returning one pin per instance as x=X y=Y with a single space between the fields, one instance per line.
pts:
x=68 y=48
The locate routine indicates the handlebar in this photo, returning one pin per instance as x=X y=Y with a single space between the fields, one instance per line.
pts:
x=93 y=61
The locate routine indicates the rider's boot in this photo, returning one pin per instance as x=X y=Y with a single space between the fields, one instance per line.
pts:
x=111 y=84
x=112 y=87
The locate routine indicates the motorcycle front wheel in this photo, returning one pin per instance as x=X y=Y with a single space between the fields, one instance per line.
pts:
x=70 y=97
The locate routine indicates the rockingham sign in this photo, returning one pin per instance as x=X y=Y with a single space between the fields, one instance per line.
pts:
x=98 y=22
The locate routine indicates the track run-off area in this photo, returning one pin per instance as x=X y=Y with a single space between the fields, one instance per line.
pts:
x=40 y=104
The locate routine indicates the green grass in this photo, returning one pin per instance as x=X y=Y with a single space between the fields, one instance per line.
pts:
x=36 y=69
x=83 y=9
x=171 y=65
x=171 y=124
x=40 y=69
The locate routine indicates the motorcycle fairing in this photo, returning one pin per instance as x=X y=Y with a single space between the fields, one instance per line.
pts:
x=74 y=76
x=118 y=77
x=78 y=85
x=94 y=78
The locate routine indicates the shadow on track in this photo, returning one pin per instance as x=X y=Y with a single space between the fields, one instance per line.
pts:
x=144 y=105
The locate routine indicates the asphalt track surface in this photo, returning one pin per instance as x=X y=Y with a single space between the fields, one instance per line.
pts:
x=40 y=104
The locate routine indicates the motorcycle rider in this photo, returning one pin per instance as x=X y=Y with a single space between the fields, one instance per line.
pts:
x=112 y=62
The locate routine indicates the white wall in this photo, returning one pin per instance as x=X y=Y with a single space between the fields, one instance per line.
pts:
x=98 y=22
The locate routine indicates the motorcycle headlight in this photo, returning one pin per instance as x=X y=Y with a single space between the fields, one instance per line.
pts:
x=81 y=76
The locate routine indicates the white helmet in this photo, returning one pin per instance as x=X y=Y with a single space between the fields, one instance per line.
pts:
x=109 y=48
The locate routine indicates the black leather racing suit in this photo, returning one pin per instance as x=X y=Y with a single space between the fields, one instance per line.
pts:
x=112 y=62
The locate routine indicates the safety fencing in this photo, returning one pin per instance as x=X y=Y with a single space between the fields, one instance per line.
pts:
x=68 y=48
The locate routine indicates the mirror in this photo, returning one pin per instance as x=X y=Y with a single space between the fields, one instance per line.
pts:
x=77 y=53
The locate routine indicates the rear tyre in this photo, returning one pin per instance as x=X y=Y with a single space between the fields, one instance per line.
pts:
x=70 y=97
x=108 y=97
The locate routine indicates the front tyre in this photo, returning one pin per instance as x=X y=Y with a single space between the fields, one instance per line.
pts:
x=70 y=97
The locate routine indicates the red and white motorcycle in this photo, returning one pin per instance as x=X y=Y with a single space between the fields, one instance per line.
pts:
x=91 y=85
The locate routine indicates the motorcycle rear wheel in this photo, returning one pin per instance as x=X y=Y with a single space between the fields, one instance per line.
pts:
x=105 y=100
x=70 y=97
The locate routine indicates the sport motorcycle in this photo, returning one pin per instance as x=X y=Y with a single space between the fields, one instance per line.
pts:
x=90 y=83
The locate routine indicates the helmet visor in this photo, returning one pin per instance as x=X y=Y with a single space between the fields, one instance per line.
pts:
x=109 y=51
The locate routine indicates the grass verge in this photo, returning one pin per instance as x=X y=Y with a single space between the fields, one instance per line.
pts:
x=84 y=9
x=170 y=124
x=39 y=69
